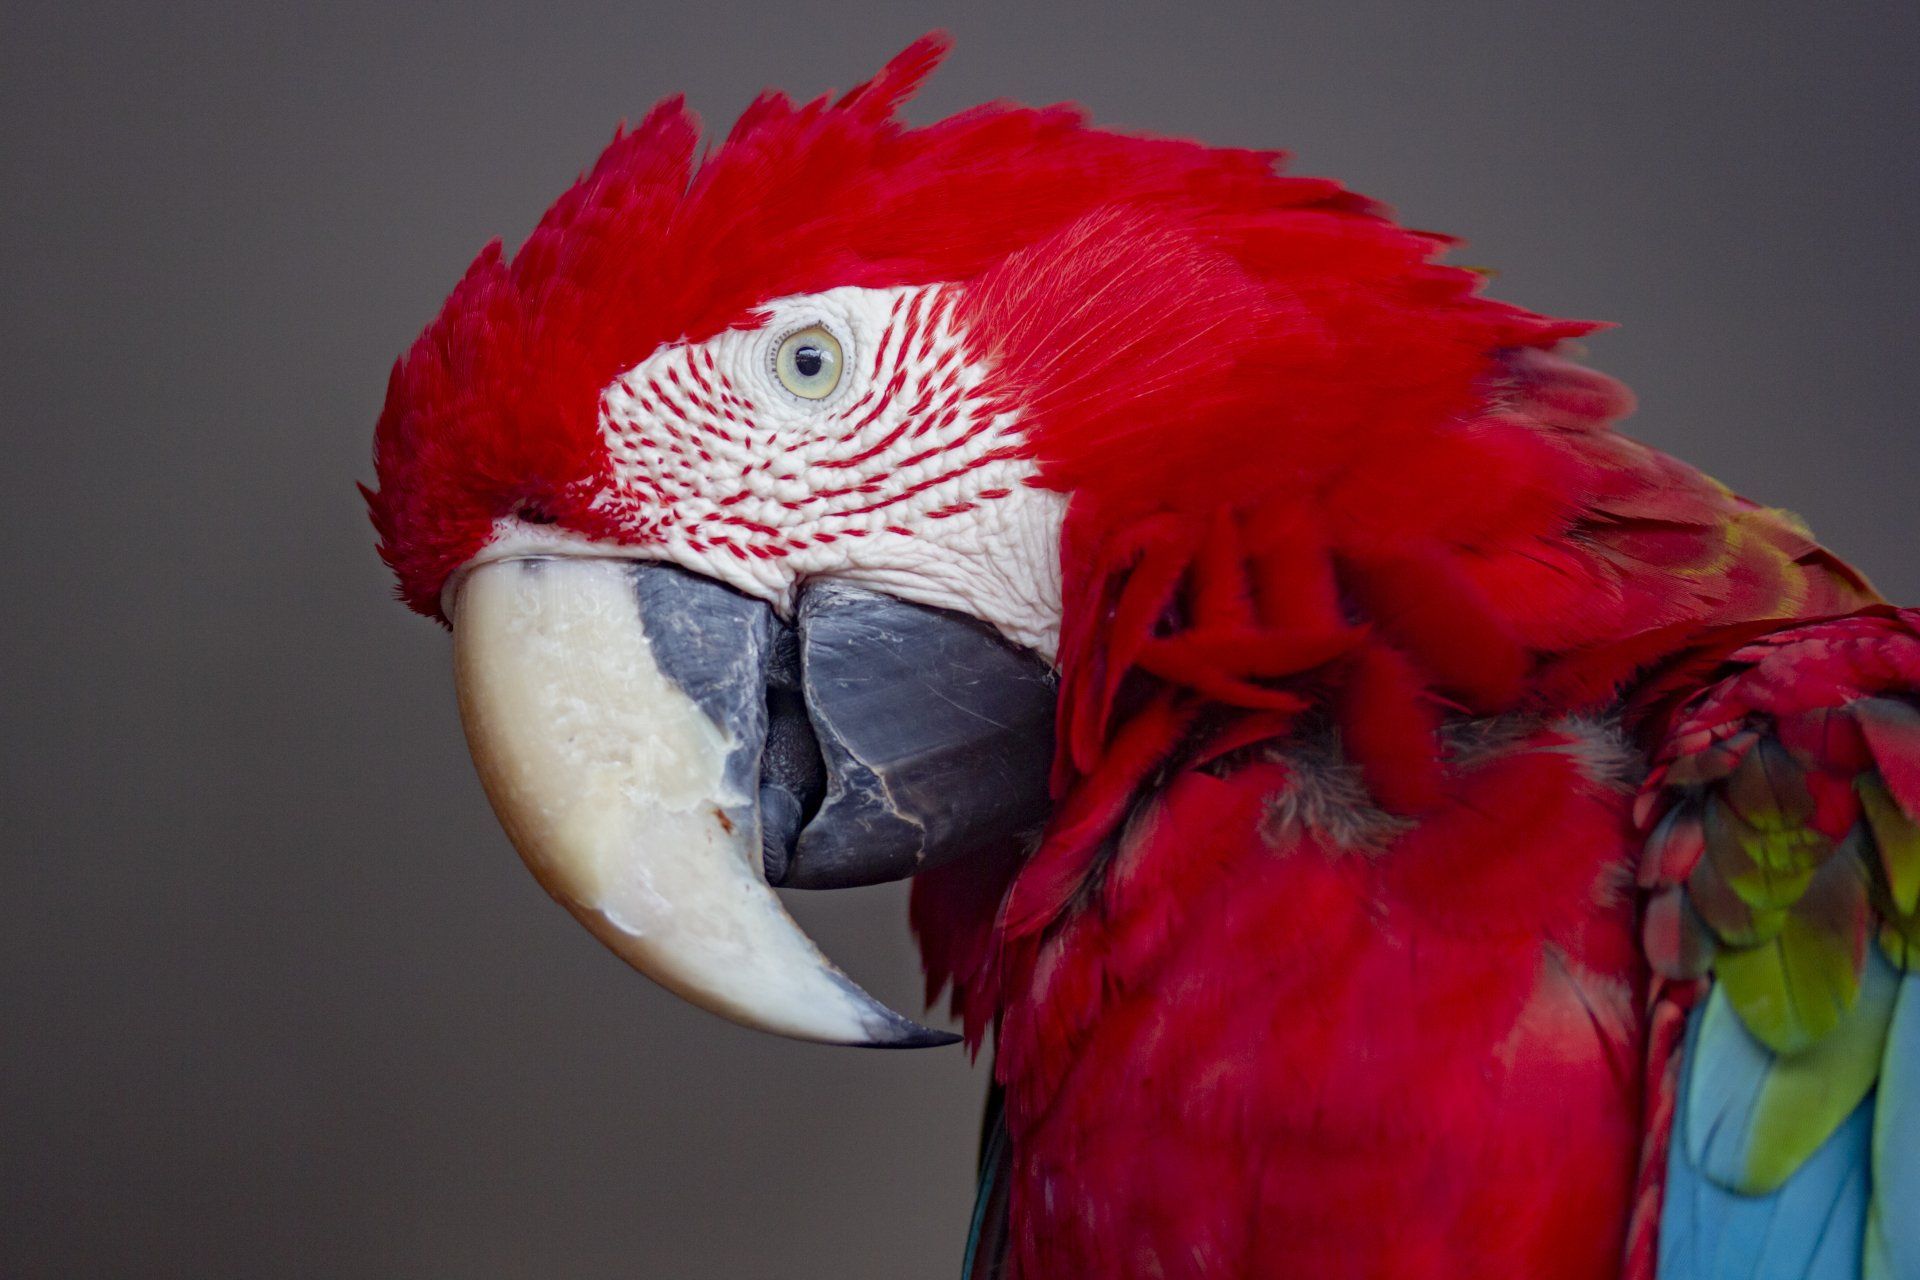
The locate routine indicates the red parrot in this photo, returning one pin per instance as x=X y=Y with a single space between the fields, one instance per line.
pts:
x=1386 y=822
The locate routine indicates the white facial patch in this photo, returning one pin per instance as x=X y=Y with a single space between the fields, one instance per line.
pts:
x=900 y=479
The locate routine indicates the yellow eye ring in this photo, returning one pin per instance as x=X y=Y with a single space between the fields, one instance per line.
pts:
x=808 y=362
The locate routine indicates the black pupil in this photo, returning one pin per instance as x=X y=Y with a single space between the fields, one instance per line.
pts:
x=808 y=360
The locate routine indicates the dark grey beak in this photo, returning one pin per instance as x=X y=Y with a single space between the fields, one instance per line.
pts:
x=933 y=738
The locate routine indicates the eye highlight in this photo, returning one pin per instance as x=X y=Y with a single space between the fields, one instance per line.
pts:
x=808 y=362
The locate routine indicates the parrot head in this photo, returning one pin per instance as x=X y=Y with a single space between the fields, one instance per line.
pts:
x=826 y=509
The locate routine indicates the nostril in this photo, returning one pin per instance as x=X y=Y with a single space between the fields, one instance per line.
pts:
x=528 y=513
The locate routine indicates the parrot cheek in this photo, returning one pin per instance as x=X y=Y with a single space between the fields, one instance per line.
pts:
x=616 y=712
x=658 y=747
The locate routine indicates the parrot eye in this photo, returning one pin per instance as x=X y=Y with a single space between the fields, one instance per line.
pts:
x=808 y=362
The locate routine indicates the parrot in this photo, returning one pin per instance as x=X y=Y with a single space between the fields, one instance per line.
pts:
x=1383 y=820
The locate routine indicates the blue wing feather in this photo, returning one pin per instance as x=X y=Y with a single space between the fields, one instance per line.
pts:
x=1812 y=1228
x=1893 y=1241
x=1726 y=1073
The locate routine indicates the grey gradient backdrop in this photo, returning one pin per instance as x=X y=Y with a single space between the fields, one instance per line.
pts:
x=277 y=998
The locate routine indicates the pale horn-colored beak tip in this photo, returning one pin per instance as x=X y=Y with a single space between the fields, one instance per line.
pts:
x=615 y=711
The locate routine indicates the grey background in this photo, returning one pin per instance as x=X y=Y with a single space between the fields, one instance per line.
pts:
x=276 y=998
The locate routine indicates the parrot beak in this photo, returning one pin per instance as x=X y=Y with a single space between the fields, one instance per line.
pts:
x=653 y=742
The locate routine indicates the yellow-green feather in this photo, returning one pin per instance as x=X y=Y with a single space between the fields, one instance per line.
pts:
x=1898 y=839
x=1757 y=830
x=1808 y=1094
x=1793 y=988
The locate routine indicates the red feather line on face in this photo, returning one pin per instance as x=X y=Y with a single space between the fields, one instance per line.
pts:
x=676 y=405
